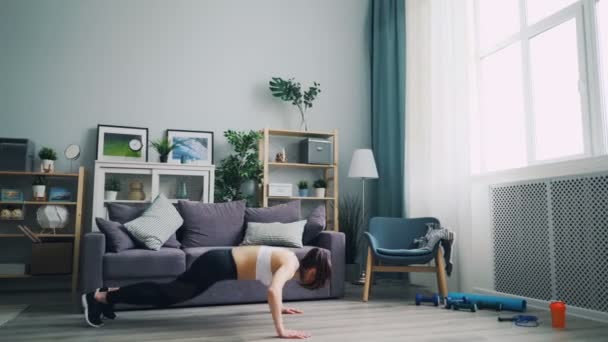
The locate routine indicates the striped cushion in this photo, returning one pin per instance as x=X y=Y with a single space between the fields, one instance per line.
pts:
x=274 y=234
x=156 y=225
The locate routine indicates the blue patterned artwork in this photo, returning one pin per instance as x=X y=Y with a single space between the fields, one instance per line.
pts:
x=192 y=147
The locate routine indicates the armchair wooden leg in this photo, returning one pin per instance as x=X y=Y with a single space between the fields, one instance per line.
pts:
x=441 y=278
x=368 y=275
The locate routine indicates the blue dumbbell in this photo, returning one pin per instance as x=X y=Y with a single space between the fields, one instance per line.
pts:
x=449 y=301
x=423 y=299
x=465 y=306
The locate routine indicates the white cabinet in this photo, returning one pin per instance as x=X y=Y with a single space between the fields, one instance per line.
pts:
x=142 y=182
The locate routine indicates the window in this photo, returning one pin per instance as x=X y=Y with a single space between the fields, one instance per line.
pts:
x=537 y=104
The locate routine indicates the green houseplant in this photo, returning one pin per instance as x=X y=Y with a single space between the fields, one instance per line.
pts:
x=47 y=157
x=239 y=173
x=163 y=147
x=39 y=188
x=112 y=188
x=291 y=91
x=352 y=223
x=320 y=185
x=303 y=188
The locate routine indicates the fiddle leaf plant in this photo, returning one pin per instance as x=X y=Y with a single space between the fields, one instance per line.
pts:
x=241 y=166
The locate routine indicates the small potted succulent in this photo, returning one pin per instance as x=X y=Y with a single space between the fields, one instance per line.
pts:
x=163 y=147
x=303 y=189
x=112 y=188
x=39 y=188
x=47 y=156
x=320 y=185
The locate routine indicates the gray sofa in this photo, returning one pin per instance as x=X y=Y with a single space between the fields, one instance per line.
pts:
x=99 y=269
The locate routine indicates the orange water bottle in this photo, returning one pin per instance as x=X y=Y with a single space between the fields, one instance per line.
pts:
x=558 y=314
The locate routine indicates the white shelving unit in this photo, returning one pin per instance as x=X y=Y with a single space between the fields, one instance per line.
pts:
x=156 y=178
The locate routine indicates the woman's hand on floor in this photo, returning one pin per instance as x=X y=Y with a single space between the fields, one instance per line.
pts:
x=291 y=311
x=294 y=334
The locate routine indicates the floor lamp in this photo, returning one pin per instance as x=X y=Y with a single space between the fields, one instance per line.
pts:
x=363 y=166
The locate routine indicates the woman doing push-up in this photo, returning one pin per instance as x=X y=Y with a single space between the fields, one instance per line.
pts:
x=270 y=265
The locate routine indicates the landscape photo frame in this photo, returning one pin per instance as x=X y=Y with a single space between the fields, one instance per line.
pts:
x=122 y=143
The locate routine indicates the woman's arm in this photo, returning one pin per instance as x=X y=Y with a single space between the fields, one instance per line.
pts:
x=275 y=300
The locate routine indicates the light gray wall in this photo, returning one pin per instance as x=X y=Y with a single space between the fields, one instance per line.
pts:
x=67 y=65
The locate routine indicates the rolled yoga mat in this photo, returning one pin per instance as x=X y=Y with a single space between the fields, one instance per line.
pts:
x=512 y=304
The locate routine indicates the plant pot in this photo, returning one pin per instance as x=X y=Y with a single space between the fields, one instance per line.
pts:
x=303 y=192
x=47 y=165
x=39 y=192
x=110 y=195
x=248 y=188
x=319 y=192
x=163 y=159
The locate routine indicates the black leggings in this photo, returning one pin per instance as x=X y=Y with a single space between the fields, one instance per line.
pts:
x=206 y=270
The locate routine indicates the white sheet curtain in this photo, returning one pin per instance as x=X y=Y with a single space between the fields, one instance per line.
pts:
x=440 y=69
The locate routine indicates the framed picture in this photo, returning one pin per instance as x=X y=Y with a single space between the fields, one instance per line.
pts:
x=58 y=194
x=11 y=195
x=122 y=143
x=193 y=147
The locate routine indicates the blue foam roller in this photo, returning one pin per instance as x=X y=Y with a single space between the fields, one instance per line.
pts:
x=512 y=304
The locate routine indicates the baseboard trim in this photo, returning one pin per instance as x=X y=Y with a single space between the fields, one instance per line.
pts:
x=598 y=316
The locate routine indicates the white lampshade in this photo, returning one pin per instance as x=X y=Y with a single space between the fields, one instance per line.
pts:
x=363 y=165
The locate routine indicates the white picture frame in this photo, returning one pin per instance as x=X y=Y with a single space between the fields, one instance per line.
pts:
x=194 y=147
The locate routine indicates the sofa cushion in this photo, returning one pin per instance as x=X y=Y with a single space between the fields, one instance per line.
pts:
x=212 y=224
x=117 y=237
x=142 y=263
x=274 y=234
x=315 y=224
x=123 y=213
x=283 y=213
x=156 y=225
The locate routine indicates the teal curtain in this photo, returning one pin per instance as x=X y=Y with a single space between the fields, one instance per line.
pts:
x=388 y=105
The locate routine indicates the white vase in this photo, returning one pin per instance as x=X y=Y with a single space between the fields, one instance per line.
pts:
x=110 y=195
x=319 y=192
x=47 y=165
x=39 y=192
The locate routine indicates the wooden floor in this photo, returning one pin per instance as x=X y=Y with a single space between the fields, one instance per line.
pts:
x=388 y=316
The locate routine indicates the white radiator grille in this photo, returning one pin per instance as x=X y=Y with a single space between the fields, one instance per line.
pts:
x=550 y=239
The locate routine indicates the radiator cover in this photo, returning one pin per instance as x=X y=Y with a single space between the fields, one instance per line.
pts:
x=550 y=239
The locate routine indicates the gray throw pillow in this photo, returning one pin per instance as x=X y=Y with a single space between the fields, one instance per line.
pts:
x=156 y=225
x=283 y=213
x=117 y=238
x=212 y=224
x=314 y=225
x=123 y=213
x=274 y=234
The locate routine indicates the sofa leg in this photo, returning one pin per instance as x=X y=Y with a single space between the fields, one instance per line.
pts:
x=441 y=278
x=368 y=275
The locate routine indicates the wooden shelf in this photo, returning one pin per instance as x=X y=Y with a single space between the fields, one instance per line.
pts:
x=301 y=198
x=38 y=203
x=38 y=235
x=289 y=133
x=15 y=276
x=303 y=166
x=24 y=173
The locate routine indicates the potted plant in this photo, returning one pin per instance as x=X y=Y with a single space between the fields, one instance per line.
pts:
x=291 y=91
x=163 y=147
x=112 y=188
x=39 y=188
x=320 y=185
x=239 y=174
x=303 y=188
x=47 y=156
x=352 y=225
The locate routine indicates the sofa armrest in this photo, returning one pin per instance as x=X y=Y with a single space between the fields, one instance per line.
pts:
x=334 y=242
x=93 y=250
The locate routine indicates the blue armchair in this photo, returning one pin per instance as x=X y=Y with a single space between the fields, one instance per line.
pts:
x=391 y=249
